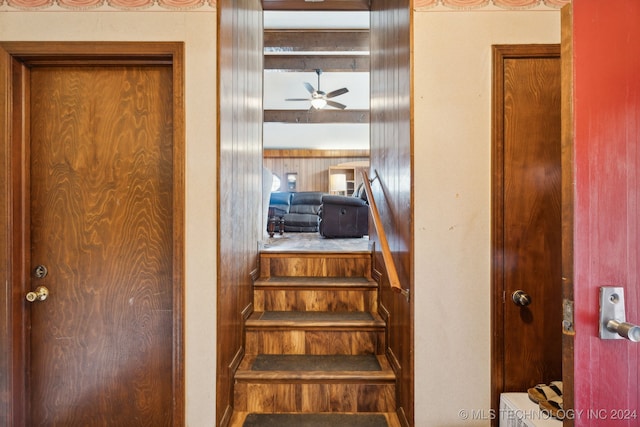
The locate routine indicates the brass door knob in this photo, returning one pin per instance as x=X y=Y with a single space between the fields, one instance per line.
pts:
x=40 y=294
x=521 y=298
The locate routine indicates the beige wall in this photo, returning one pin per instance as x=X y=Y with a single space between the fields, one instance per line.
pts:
x=453 y=203
x=198 y=32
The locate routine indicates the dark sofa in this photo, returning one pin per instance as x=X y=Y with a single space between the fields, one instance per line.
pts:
x=344 y=216
x=313 y=211
x=296 y=211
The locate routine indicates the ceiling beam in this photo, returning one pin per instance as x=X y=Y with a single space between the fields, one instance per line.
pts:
x=316 y=116
x=315 y=5
x=335 y=63
x=312 y=153
x=287 y=41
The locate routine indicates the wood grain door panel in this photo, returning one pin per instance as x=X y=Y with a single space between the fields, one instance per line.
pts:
x=101 y=222
x=95 y=194
x=527 y=218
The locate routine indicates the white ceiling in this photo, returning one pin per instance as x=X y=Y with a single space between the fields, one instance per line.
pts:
x=279 y=85
x=315 y=20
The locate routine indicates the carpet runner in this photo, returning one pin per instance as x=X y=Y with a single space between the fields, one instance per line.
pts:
x=312 y=362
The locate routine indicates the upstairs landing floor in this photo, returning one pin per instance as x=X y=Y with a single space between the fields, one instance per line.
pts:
x=314 y=242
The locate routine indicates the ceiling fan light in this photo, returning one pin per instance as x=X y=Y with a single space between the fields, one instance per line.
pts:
x=318 y=103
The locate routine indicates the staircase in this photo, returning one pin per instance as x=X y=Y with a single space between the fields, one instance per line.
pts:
x=314 y=345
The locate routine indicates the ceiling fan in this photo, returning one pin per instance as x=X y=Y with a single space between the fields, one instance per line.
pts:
x=320 y=99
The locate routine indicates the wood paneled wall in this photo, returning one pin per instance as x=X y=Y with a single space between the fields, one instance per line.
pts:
x=391 y=157
x=312 y=170
x=239 y=181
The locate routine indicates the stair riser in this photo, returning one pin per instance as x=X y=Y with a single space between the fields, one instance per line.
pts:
x=269 y=398
x=315 y=300
x=318 y=266
x=314 y=342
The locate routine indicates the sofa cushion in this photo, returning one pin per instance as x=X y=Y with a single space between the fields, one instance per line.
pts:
x=360 y=192
x=301 y=222
x=306 y=202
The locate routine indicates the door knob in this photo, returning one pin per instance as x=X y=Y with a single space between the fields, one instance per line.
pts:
x=40 y=294
x=613 y=318
x=521 y=298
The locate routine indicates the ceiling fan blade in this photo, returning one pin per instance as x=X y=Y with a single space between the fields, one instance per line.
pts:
x=337 y=92
x=309 y=87
x=336 y=105
x=297 y=99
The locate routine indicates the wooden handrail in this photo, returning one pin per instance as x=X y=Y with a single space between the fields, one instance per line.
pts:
x=387 y=257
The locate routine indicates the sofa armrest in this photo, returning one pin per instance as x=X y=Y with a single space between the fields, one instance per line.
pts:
x=342 y=200
x=279 y=203
x=307 y=202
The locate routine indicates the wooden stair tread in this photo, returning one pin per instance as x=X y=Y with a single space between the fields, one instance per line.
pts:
x=314 y=253
x=311 y=374
x=238 y=418
x=316 y=419
x=284 y=282
x=315 y=319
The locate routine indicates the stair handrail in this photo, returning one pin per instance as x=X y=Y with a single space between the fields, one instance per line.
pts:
x=387 y=257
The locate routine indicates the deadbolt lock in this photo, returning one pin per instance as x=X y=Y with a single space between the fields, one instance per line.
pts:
x=40 y=271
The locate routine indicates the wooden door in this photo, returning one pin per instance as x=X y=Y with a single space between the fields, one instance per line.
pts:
x=527 y=339
x=99 y=222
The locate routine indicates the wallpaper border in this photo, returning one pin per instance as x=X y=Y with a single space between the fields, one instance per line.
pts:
x=208 y=5
x=470 y=5
x=106 y=5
